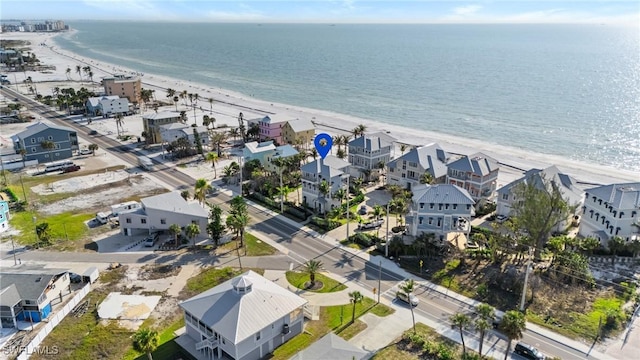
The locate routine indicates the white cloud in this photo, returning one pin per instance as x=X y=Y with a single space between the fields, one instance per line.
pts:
x=467 y=10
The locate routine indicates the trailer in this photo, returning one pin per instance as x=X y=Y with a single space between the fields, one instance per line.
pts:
x=90 y=275
x=145 y=163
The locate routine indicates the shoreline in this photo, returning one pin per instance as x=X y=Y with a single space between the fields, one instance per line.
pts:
x=513 y=161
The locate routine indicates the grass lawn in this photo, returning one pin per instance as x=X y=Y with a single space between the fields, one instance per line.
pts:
x=331 y=318
x=61 y=226
x=209 y=278
x=401 y=349
x=298 y=279
x=253 y=245
x=167 y=348
x=352 y=330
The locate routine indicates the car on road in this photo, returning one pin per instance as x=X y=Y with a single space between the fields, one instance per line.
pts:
x=93 y=132
x=410 y=299
x=527 y=351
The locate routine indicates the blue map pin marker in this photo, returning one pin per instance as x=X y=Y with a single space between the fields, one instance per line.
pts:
x=323 y=143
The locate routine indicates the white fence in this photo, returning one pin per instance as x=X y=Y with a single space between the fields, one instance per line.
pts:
x=18 y=164
x=53 y=321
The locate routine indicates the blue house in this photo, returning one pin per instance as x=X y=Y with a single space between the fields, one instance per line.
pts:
x=65 y=141
x=4 y=215
x=29 y=297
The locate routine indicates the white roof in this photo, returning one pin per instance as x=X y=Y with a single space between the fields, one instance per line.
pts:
x=239 y=315
x=173 y=202
x=255 y=147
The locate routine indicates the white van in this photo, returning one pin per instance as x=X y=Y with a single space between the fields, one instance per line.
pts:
x=411 y=299
x=151 y=240
x=103 y=217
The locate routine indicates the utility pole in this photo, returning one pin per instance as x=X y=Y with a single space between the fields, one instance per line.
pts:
x=379 y=279
x=386 y=241
x=240 y=160
x=281 y=193
x=348 y=211
x=13 y=247
x=526 y=280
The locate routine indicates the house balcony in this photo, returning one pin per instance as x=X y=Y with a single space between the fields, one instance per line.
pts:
x=207 y=344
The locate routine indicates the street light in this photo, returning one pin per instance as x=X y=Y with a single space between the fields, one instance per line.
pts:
x=386 y=242
x=35 y=227
x=348 y=211
x=13 y=247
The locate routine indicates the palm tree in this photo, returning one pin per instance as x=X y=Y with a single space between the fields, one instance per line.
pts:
x=462 y=322
x=185 y=194
x=175 y=230
x=361 y=129
x=213 y=157
x=184 y=96
x=201 y=189
x=175 y=102
x=93 y=148
x=314 y=153
x=403 y=148
x=68 y=73
x=381 y=166
x=119 y=122
x=211 y=105
x=426 y=178
x=23 y=154
x=482 y=325
x=79 y=71
x=192 y=231
x=324 y=188
x=355 y=297
x=615 y=244
x=407 y=287
x=312 y=267
x=170 y=93
x=48 y=145
x=512 y=325
x=146 y=340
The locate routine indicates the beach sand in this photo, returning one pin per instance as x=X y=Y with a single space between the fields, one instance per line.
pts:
x=228 y=104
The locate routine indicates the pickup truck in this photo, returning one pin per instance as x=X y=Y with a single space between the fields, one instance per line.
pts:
x=371 y=225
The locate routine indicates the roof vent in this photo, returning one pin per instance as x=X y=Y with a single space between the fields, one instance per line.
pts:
x=242 y=285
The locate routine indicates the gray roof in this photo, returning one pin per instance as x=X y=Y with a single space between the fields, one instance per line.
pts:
x=431 y=157
x=94 y=101
x=369 y=142
x=477 y=163
x=162 y=115
x=301 y=125
x=173 y=202
x=39 y=127
x=9 y=296
x=441 y=194
x=238 y=316
x=30 y=286
x=328 y=167
x=620 y=196
x=272 y=119
x=174 y=126
x=566 y=184
x=331 y=346
x=384 y=136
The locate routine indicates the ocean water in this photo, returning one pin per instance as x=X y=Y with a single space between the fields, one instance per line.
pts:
x=568 y=90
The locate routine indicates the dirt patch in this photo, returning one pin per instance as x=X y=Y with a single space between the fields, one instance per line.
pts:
x=154 y=272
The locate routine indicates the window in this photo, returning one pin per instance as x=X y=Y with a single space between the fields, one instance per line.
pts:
x=421 y=205
x=420 y=220
x=128 y=221
x=440 y=207
x=50 y=137
x=430 y=221
x=431 y=205
x=505 y=196
x=446 y=206
x=258 y=336
x=33 y=149
x=33 y=140
x=143 y=221
x=163 y=221
x=455 y=206
x=57 y=146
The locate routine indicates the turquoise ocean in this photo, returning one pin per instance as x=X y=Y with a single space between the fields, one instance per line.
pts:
x=567 y=90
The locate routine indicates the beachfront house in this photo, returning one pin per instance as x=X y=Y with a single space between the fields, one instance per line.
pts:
x=321 y=179
x=477 y=173
x=298 y=132
x=244 y=318
x=611 y=210
x=567 y=186
x=30 y=296
x=368 y=156
x=281 y=152
x=159 y=212
x=128 y=86
x=174 y=131
x=152 y=123
x=107 y=106
x=64 y=139
x=440 y=209
x=407 y=170
x=271 y=129
x=258 y=150
x=4 y=215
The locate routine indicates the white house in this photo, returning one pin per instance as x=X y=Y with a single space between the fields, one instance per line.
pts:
x=244 y=318
x=367 y=154
x=174 y=131
x=258 y=150
x=407 y=169
x=107 y=106
x=330 y=169
x=611 y=210
x=551 y=175
x=159 y=212
x=439 y=209
x=477 y=173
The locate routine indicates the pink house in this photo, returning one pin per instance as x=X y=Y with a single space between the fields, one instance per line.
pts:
x=271 y=129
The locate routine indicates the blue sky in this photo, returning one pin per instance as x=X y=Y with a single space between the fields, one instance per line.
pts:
x=333 y=11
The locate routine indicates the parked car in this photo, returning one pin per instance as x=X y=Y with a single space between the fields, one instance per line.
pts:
x=71 y=168
x=528 y=351
x=85 y=152
x=363 y=210
x=501 y=218
x=370 y=225
x=75 y=278
x=93 y=132
x=151 y=240
x=411 y=299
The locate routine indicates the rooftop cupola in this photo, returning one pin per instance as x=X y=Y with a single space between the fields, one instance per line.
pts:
x=242 y=285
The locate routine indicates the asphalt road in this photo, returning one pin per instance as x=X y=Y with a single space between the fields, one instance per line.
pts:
x=301 y=245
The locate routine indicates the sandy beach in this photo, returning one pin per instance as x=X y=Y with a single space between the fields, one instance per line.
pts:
x=227 y=105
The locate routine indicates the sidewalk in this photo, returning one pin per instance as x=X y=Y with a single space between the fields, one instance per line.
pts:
x=440 y=328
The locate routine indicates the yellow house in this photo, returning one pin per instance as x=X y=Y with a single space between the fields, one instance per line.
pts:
x=298 y=132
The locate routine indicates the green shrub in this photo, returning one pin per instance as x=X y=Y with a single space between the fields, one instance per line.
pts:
x=482 y=291
x=445 y=352
x=470 y=356
x=429 y=348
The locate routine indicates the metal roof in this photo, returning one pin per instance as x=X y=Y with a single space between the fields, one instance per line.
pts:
x=39 y=127
x=620 y=196
x=257 y=147
x=162 y=115
x=239 y=315
x=441 y=194
x=300 y=125
x=369 y=142
x=173 y=202
x=477 y=163
x=9 y=296
x=328 y=167
x=566 y=184
x=431 y=158
x=29 y=286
